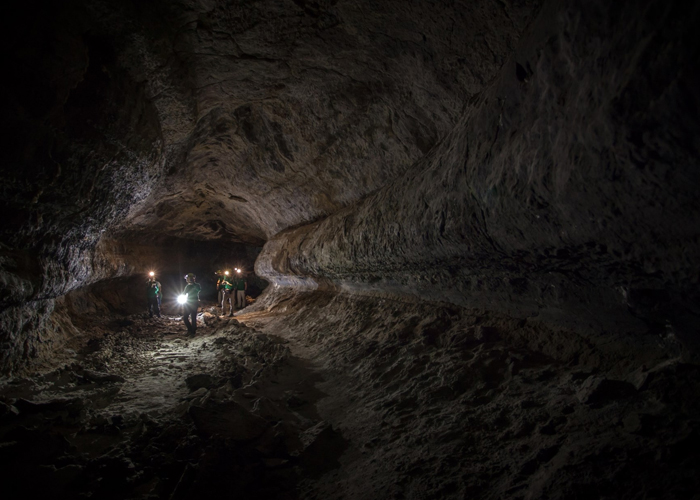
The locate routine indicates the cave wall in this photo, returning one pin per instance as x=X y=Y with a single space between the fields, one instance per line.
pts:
x=218 y=121
x=82 y=146
x=34 y=330
x=303 y=108
x=537 y=158
x=566 y=192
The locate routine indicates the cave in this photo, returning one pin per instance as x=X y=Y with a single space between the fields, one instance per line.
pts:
x=469 y=232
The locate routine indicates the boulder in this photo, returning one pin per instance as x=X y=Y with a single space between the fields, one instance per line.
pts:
x=200 y=380
x=228 y=420
x=101 y=377
x=600 y=391
x=7 y=412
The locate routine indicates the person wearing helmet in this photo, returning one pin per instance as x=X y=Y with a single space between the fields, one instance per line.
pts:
x=241 y=286
x=228 y=295
x=160 y=291
x=152 y=291
x=220 y=287
x=191 y=305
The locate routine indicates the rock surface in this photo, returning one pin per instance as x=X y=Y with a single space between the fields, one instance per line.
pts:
x=213 y=121
x=551 y=196
x=479 y=220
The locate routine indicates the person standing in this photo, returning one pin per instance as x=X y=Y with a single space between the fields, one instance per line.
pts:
x=228 y=295
x=191 y=305
x=160 y=294
x=152 y=290
x=241 y=285
x=220 y=288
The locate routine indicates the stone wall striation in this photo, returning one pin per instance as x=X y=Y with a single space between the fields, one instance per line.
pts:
x=566 y=191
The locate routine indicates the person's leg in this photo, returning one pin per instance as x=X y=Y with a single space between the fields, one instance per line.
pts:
x=150 y=307
x=156 y=306
x=193 y=312
x=240 y=298
x=229 y=302
x=186 y=318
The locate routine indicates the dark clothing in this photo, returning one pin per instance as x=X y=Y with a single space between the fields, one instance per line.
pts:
x=190 y=310
x=220 y=283
x=190 y=307
x=192 y=291
x=220 y=289
x=239 y=284
x=152 y=292
x=160 y=292
x=153 y=306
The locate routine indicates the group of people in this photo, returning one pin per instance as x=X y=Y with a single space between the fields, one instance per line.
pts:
x=231 y=292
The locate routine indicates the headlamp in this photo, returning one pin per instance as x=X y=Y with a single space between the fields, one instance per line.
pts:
x=181 y=299
x=151 y=274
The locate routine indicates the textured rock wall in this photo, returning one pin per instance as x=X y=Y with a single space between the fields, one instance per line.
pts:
x=298 y=109
x=439 y=401
x=567 y=190
x=219 y=121
x=108 y=282
x=82 y=146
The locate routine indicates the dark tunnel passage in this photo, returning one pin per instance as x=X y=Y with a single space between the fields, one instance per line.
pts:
x=463 y=240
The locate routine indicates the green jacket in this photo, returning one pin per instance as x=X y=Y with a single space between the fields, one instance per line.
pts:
x=152 y=290
x=192 y=291
x=239 y=284
x=226 y=283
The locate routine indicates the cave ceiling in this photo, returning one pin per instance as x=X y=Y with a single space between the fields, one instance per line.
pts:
x=268 y=115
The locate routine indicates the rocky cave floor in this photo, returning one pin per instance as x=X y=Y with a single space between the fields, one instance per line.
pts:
x=324 y=396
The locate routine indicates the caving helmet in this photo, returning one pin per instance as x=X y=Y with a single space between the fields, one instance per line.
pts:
x=190 y=276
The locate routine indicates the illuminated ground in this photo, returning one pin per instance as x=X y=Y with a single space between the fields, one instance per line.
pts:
x=394 y=408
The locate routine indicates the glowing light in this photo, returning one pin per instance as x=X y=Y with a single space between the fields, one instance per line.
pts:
x=226 y=273
x=181 y=299
x=238 y=271
x=151 y=274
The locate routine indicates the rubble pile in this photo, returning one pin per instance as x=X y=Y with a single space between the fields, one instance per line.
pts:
x=435 y=401
x=145 y=413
